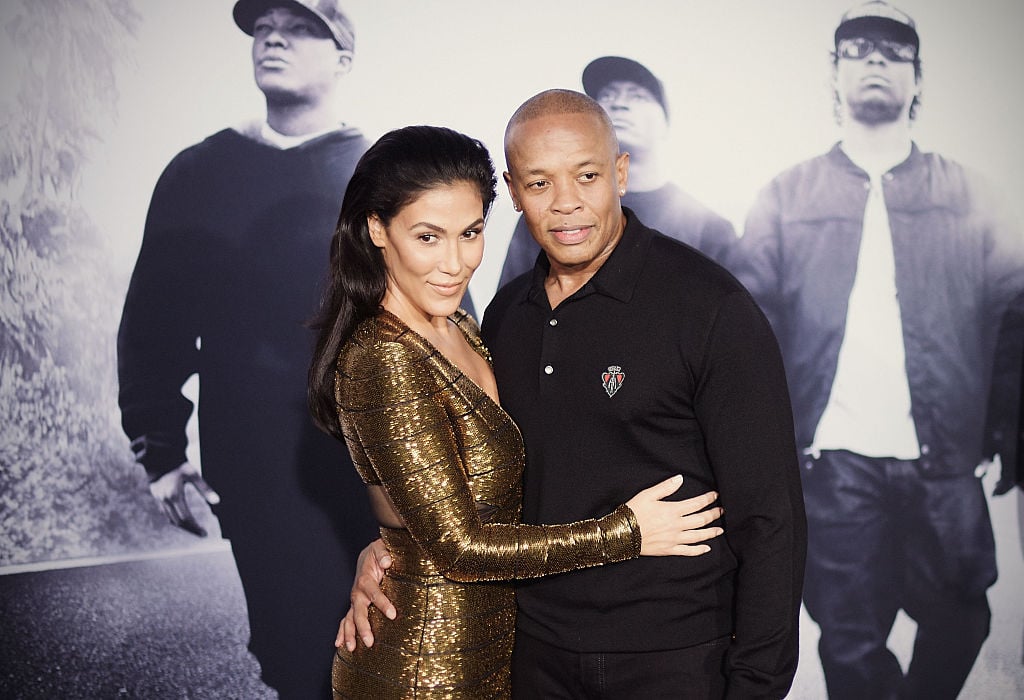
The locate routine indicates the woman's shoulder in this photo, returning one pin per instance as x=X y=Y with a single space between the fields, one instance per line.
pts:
x=380 y=343
x=381 y=364
x=463 y=318
x=467 y=323
x=471 y=329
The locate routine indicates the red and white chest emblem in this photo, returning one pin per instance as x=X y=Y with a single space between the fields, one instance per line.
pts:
x=612 y=379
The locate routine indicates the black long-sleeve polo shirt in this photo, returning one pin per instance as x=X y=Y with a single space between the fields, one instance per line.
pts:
x=661 y=364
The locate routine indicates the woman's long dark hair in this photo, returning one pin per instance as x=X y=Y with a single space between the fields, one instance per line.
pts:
x=392 y=173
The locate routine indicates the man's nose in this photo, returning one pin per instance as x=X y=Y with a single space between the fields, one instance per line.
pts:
x=275 y=37
x=876 y=56
x=566 y=198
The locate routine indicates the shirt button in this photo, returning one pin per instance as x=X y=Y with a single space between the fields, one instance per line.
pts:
x=553 y=322
x=549 y=369
x=925 y=449
x=888 y=177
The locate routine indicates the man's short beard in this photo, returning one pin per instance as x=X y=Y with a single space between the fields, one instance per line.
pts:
x=874 y=111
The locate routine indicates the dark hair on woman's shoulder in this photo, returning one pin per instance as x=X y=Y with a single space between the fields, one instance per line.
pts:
x=399 y=167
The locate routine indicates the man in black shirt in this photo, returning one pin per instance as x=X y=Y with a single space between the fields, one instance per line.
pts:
x=235 y=247
x=627 y=357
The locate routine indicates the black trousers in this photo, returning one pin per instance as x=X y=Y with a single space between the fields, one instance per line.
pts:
x=540 y=670
x=882 y=537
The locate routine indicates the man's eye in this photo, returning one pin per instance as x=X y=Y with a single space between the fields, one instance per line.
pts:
x=588 y=177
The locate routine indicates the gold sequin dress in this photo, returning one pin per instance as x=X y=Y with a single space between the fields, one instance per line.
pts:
x=450 y=460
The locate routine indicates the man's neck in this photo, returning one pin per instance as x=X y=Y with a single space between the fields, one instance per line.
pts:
x=300 y=119
x=645 y=171
x=563 y=282
x=877 y=147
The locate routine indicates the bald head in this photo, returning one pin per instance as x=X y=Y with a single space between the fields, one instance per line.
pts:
x=566 y=175
x=556 y=102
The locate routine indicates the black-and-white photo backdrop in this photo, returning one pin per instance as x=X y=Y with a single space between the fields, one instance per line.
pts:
x=100 y=596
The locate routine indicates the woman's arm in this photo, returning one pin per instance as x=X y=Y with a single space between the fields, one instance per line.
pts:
x=375 y=559
x=392 y=412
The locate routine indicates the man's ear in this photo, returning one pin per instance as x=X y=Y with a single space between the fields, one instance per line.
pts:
x=511 y=192
x=344 y=61
x=378 y=233
x=622 y=172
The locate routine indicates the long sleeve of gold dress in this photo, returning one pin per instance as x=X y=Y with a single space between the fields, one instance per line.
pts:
x=450 y=460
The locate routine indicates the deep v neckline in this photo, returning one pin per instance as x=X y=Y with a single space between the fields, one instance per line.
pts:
x=474 y=343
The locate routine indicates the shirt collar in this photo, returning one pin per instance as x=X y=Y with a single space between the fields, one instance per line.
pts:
x=262 y=132
x=617 y=277
x=838 y=156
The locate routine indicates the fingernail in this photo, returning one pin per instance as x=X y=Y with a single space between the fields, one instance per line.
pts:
x=678 y=478
x=385 y=560
x=391 y=614
x=368 y=641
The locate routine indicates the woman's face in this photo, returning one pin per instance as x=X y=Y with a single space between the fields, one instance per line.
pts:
x=431 y=248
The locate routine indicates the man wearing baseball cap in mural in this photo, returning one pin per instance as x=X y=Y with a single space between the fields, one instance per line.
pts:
x=635 y=100
x=885 y=272
x=234 y=249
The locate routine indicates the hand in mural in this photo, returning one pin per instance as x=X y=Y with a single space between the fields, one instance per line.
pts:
x=1008 y=477
x=169 y=492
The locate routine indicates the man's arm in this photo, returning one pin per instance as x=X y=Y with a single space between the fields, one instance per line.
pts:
x=373 y=561
x=755 y=258
x=157 y=351
x=717 y=237
x=1003 y=424
x=743 y=408
x=1004 y=318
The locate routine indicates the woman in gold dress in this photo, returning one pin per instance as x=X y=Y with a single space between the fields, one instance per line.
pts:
x=401 y=375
